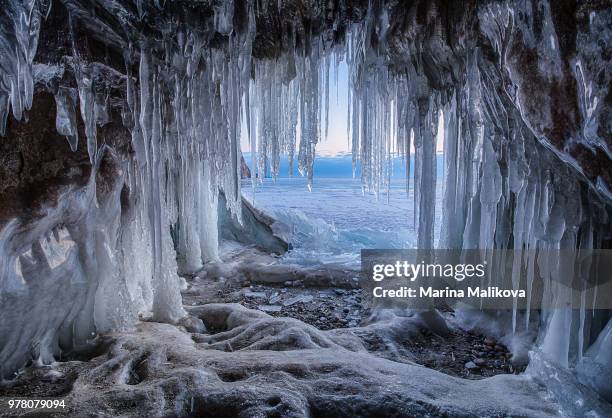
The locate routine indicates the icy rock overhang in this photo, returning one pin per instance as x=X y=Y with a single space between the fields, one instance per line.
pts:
x=149 y=97
x=549 y=60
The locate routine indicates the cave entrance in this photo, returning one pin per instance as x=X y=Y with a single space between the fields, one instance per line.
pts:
x=339 y=215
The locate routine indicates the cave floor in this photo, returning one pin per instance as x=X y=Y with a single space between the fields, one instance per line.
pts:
x=299 y=347
x=342 y=305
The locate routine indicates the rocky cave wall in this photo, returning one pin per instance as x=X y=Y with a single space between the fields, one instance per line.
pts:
x=121 y=122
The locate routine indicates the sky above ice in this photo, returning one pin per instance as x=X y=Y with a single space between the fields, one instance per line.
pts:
x=337 y=142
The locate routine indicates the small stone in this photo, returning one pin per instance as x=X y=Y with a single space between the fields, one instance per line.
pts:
x=508 y=355
x=470 y=365
x=480 y=362
x=255 y=295
x=500 y=348
x=322 y=319
x=269 y=308
x=192 y=324
x=340 y=291
x=346 y=310
x=298 y=299
x=489 y=341
x=52 y=376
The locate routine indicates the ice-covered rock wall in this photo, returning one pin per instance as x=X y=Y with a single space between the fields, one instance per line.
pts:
x=111 y=187
x=527 y=160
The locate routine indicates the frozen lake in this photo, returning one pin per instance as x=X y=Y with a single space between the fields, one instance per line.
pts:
x=333 y=222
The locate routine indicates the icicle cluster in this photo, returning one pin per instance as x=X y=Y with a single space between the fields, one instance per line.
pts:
x=289 y=105
x=111 y=259
x=503 y=189
x=19 y=27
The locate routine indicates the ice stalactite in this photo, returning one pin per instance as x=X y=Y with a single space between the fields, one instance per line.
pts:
x=19 y=26
x=86 y=105
x=65 y=119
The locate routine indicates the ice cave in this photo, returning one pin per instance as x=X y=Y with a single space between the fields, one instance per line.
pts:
x=158 y=259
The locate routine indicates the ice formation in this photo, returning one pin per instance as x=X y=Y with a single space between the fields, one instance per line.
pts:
x=95 y=262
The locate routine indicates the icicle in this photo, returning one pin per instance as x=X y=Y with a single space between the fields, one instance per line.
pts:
x=448 y=235
x=18 y=44
x=86 y=101
x=326 y=95
x=101 y=109
x=4 y=111
x=65 y=118
x=427 y=177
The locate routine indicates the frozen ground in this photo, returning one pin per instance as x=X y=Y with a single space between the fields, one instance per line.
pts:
x=250 y=363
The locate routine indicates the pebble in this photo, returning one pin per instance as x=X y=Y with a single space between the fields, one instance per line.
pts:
x=269 y=308
x=193 y=324
x=480 y=362
x=297 y=299
x=257 y=295
x=500 y=348
x=470 y=365
x=489 y=341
